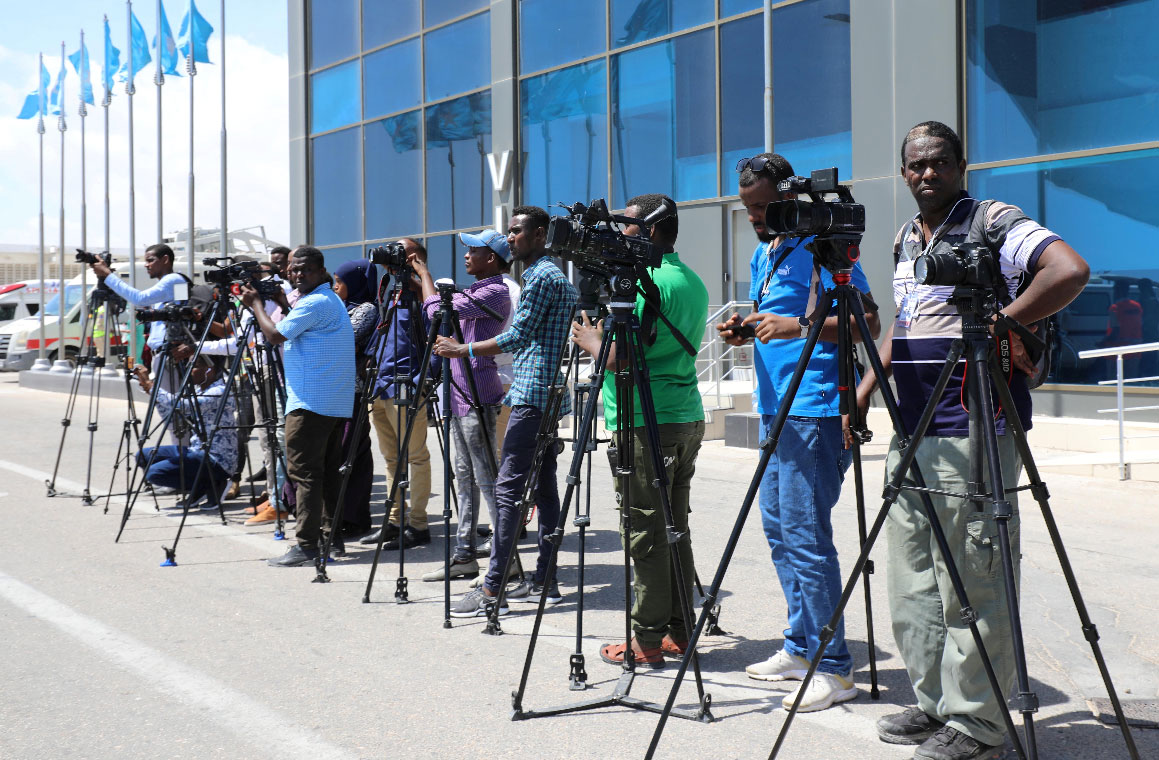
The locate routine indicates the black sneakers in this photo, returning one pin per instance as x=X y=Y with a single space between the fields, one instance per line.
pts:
x=951 y=744
x=913 y=726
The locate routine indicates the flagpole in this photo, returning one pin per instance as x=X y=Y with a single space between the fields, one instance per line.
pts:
x=62 y=364
x=191 y=69
x=82 y=70
x=41 y=363
x=130 y=90
x=159 y=79
x=224 y=164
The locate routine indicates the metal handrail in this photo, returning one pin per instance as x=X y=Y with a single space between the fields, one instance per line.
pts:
x=1118 y=352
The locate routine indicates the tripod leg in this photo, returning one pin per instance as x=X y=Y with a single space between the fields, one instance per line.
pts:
x=1041 y=495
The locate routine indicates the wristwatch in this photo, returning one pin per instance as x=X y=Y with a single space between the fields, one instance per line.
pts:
x=805 y=325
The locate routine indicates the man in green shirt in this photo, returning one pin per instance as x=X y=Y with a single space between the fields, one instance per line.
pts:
x=656 y=616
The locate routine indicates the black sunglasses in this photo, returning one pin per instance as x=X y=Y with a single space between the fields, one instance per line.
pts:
x=757 y=164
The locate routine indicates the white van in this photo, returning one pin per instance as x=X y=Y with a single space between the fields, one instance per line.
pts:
x=22 y=299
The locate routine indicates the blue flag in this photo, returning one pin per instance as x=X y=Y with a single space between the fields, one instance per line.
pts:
x=169 y=58
x=112 y=59
x=54 y=98
x=80 y=64
x=199 y=30
x=34 y=103
x=138 y=52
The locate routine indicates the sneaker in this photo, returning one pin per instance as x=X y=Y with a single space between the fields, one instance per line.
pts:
x=266 y=514
x=476 y=603
x=913 y=726
x=672 y=647
x=824 y=691
x=514 y=578
x=650 y=657
x=780 y=667
x=530 y=591
x=295 y=557
x=950 y=744
x=460 y=568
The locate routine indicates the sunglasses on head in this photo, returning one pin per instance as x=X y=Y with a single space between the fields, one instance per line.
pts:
x=757 y=165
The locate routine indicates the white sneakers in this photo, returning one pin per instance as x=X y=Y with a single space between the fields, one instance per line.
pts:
x=825 y=690
x=780 y=667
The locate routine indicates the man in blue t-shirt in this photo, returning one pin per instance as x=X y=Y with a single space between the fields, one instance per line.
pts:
x=318 y=342
x=803 y=479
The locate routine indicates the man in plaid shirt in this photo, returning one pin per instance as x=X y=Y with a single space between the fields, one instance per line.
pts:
x=537 y=337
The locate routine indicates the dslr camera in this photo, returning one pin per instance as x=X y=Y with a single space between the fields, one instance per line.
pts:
x=588 y=237
x=393 y=256
x=84 y=257
x=965 y=264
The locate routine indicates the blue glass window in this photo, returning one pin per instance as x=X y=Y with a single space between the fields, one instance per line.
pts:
x=552 y=33
x=664 y=119
x=1082 y=200
x=335 y=256
x=564 y=137
x=458 y=57
x=1059 y=76
x=334 y=97
x=333 y=31
x=458 y=189
x=444 y=258
x=812 y=118
x=390 y=81
x=336 y=166
x=394 y=176
x=733 y=7
x=742 y=84
x=386 y=20
x=639 y=20
x=438 y=11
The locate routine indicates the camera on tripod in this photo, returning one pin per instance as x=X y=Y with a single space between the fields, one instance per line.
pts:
x=171 y=314
x=393 y=256
x=837 y=226
x=588 y=238
x=84 y=257
x=240 y=273
x=966 y=264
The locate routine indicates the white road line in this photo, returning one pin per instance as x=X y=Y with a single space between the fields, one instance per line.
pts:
x=234 y=711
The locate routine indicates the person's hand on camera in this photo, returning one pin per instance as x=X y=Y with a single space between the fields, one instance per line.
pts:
x=101 y=269
x=772 y=326
x=586 y=335
x=418 y=265
x=181 y=352
x=279 y=298
x=142 y=376
x=1018 y=353
x=250 y=296
x=728 y=332
x=449 y=348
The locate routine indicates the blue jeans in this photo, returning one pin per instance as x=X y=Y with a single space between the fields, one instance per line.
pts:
x=166 y=472
x=798 y=491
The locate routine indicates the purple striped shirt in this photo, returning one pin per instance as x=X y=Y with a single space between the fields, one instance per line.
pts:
x=477 y=326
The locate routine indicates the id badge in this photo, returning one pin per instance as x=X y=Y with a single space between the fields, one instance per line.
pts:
x=906 y=315
x=903 y=278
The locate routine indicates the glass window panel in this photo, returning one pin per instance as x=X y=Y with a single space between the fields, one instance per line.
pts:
x=639 y=20
x=335 y=256
x=336 y=165
x=564 y=135
x=733 y=7
x=444 y=258
x=664 y=119
x=458 y=57
x=386 y=20
x=812 y=118
x=552 y=33
x=394 y=168
x=1082 y=200
x=742 y=106
x=1059 y=76
x=391 y=79
x=334 y=100
x=438 y=11
x=458 y=189
x=333 y=31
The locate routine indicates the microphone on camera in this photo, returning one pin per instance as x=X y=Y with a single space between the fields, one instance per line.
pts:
x=659 y=214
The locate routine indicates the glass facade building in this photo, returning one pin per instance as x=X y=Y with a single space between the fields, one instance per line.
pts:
x=424 y=118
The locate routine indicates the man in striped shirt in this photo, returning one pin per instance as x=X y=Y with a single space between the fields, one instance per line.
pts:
x=957 y=716
x=537 y=337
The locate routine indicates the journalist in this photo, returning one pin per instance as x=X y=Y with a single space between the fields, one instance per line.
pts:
x=657 y=619
x=537 y=337
x=957 y=716
x=803 y=480
x=318 y=342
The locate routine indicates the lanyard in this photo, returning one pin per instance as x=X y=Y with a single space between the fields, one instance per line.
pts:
x=776 y=264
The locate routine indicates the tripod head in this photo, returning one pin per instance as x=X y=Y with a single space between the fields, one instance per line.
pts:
x=447 y=290
x=980 y=307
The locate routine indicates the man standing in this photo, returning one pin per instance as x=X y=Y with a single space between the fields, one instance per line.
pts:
x=803 y=480
x=657 y=618
x=537 y=337
x=488 y=257
x=400 y=354
x=319 y=365
x=957 y=716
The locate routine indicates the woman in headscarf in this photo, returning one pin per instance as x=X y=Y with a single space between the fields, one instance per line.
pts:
x=355 y=283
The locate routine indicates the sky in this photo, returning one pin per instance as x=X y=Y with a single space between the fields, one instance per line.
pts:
x=257 y=109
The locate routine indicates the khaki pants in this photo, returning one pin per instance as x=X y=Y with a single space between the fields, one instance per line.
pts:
x=385 y=416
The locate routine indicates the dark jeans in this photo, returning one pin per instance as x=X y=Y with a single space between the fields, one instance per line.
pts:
x=166 y=472
x=313 y=456
x=518 y=451
x=356 y=502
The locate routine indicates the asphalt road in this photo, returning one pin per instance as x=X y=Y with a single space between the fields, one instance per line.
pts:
x=109 y=655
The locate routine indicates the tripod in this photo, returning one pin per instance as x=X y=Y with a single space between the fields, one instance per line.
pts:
x=837 y=254
x=622 y=330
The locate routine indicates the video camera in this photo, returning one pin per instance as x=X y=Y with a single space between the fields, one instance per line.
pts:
x=966 y=264
x=170 y=314
x=84 y=257
x=240 y=273
x=837 y=226
x=587 y=237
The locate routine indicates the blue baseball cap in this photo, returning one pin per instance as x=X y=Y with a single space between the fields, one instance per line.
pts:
x=492 y=239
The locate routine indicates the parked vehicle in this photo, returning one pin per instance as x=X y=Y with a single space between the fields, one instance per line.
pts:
x=22 y=299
